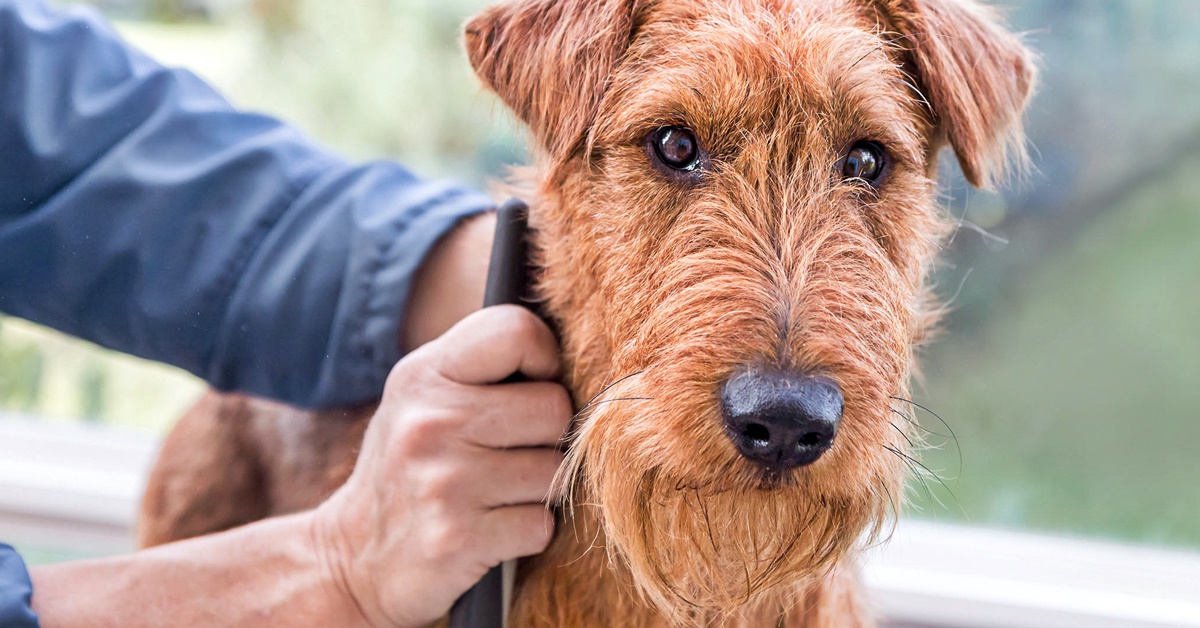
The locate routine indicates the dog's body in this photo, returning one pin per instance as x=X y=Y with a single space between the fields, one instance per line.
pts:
x=734 y=208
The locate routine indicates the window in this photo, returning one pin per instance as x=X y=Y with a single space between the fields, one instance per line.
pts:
x=1066 y=386
x=1070 y=365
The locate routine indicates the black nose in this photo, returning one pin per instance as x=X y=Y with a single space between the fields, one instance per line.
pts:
x=780 y=420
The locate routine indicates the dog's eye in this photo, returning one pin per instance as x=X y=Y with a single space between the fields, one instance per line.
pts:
x=676 y=147
x=864 y=162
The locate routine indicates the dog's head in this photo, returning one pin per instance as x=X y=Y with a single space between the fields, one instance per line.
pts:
x=736 y=216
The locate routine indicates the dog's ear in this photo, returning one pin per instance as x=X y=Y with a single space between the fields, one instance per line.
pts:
x=550 y=61
x=976 y=75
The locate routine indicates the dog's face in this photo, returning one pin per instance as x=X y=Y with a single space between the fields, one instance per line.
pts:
x=737 y=215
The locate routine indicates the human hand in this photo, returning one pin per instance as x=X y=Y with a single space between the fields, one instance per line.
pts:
x=454 y=473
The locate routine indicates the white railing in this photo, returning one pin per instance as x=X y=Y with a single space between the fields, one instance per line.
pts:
x=71 y=487
x=76 y=488
x=951 y=575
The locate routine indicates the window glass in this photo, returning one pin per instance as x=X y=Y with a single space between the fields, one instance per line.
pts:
x=1070 y=365
x=1067 y=377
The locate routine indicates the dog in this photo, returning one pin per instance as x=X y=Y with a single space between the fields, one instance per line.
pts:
x=734 y=208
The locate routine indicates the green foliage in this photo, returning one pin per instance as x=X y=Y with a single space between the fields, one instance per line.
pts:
x=20 y=374
x=378 y=78
x=1075 y=405
x=48 y=375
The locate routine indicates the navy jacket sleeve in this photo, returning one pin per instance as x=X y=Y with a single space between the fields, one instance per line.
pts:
x=15 y=591
x=141 y=211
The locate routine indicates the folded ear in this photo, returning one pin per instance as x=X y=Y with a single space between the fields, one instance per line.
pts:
x=550 y=61
x=976 y=75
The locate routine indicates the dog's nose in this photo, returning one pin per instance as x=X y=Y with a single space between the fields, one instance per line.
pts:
x=780 y=420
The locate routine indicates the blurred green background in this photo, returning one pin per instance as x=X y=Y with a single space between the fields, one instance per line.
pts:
x=1070 y=367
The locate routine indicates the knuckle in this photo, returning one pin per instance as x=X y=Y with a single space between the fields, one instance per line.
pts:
x=400 y=375
x=444 y=483
x=408 y=377
x=519 y=323
x=425 y=433
x=445 y=539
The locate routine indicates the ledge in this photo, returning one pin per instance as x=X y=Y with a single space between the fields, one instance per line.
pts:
x=74 y=489
x=948 y=575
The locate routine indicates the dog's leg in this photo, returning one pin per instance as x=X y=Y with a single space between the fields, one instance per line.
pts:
x=206 y=478
x=232 y=460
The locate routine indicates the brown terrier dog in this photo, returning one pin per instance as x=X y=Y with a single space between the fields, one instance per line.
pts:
x=734 y=205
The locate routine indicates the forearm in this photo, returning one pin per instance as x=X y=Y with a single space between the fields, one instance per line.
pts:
x=450 y=284
x=266 y=573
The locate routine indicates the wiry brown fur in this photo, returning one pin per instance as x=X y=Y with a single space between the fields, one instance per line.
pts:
x=662 y=286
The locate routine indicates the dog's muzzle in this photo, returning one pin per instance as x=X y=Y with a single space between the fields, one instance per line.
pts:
x=780 y=420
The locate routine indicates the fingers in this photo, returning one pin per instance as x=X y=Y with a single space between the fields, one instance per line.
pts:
x=454 y=467
x=516 y=477
x=518 y=531
x=526 y=414
x=492 y=344
x=475 y=482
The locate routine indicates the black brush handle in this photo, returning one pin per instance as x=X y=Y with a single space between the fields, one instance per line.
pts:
x=508 y=281
x=510 y=273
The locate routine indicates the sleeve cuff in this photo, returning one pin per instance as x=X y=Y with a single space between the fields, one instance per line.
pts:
x=315 y=317
x=16 y=591
x=372 y=328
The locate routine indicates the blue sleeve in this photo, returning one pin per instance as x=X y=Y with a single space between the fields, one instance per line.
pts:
x=141 y=211
x=15 y=591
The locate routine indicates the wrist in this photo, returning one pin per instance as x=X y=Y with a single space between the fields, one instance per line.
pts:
x=333 y=554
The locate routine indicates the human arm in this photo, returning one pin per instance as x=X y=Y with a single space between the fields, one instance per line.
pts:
x=450 y=282
x=451 y=480
x=141 y=211
x=266 y=573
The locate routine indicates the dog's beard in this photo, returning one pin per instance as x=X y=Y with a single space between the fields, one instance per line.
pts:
x=719 y=544
x=704 y=550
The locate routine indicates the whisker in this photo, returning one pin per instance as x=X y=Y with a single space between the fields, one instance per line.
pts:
x=569 y=475
x=595 y=400
x=958 y=292
x=958 y=224
x=592 y=545
x=916 y=424
x=957 y=445
x=916 y=474
x=593 y=404
x=895 y=506
x=984 y=233
x=928 y=471
x=615 y=382
x=707 y=521
x=935 y=415
x=871 y=52
x=908 y=440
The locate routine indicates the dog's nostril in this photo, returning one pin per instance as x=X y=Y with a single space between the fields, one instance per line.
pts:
x=812 y=439
x=781 y=420
x=757 y=435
